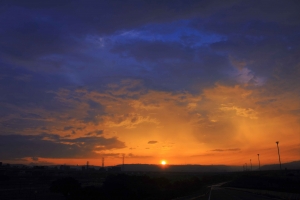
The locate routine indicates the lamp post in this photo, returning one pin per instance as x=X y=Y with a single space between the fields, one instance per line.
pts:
x=278 y=154
x=258 y=162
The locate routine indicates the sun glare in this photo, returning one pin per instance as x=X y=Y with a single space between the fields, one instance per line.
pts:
x=163 y=162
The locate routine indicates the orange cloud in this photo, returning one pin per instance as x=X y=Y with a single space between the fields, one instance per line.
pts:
x=235 y=121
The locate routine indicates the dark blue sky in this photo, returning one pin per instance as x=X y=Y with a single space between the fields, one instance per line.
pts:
x=103 y=78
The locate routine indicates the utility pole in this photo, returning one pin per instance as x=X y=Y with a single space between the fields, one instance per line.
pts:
x=246 y=166
x=251 y=164
x=278 y=154
x=258 y=162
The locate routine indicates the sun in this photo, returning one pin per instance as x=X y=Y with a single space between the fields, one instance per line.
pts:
x=163 y=162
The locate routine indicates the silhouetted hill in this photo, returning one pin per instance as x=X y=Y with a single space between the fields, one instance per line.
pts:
x=179 y=168
x=290 y=165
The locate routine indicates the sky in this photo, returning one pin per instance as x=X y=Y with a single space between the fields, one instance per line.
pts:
x=186 y=81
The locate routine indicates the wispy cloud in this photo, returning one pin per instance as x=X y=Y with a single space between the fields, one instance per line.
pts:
x=152 y=142
x=236 y=149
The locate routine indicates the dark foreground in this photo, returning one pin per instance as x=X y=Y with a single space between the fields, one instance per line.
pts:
x=77 y=185
x=218 y=193
x=43 y=183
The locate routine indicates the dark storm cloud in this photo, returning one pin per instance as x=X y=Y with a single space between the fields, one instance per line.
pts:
x=51 y=34
x=53 y=146
x=46 y=26
x=39 y=33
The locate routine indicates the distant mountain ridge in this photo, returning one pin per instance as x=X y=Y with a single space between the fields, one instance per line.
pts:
x=289 y=165
x=204 y=168
x=179 y=168
x=294 y=165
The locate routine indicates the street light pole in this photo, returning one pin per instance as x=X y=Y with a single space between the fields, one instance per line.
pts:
x=278 y=154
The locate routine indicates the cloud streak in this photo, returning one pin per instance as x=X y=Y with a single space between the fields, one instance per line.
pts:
x=220 y=150
x=152 y=142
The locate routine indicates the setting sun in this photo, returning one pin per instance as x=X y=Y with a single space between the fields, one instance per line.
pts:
x=163 y=162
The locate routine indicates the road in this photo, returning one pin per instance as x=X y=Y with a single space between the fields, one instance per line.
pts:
x=222 y=193
x=219 y=193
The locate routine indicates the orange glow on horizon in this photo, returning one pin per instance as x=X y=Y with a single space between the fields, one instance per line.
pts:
x=232 y=130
